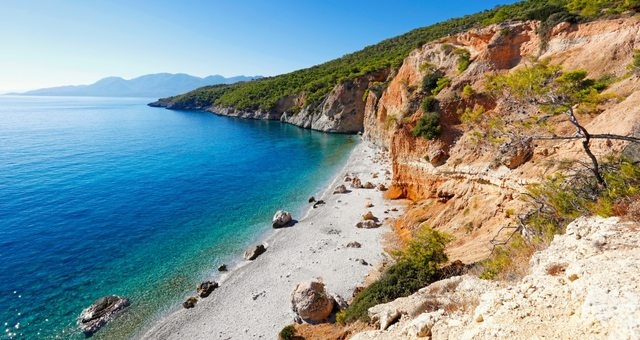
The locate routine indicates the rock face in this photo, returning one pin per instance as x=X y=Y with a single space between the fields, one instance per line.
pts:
x=100 y=312
x=281 y=219
x=311 y=302
x=253 y=252
x=516 y=152
x=585 y=285
x=206 y=288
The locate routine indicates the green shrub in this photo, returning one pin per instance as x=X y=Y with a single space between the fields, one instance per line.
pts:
x=468 y=91
x=287 y=333
x=635 y=62
x=428 y=126
x=440 y=85
x=430 y=81
x=464 y=59
x=429 y=104
x=416 y=266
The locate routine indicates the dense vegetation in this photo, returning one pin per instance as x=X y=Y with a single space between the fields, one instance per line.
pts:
x=315 y=82
x=417 y=265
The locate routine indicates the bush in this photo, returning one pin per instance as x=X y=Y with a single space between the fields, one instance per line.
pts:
x=430 y=81
x=429 y=104
x=428 y=126
x=635 y=62
x=287 y=333
x=416 y=266
x=468 y=91
x=464 y=59
x=440 y=84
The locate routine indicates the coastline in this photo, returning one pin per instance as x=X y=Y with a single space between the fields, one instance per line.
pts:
x=253 y=300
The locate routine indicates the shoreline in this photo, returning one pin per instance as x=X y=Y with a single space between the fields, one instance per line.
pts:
x=253 y=300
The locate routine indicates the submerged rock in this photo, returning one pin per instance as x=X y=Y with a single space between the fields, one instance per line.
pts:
x=253 y=253
x=311 y=302
x=100 y=312
x=222 y=268
x=190 y=302
x=206 y=288
x=281 y=219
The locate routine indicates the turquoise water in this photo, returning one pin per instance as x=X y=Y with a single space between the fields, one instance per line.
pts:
x=104 y=196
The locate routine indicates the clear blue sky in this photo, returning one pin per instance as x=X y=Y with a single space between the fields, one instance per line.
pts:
x=47 y=43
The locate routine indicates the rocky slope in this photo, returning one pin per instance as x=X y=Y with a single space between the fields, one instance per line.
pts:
x=585 y=285
x=465 y=184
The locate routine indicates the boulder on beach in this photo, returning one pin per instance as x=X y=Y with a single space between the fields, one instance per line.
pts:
x=100 y=312
x=368 y=224
x=312 y=199
x=253 y=252
x=222 y=268
x=281 y=219
x=190 y=302
x=206 y=288
x=340 y=189
x=319 y=203
x=356 y=183
x=382 y=187
x=368 y=216
x=354 y=244
x=347 y=179
x=311 y=302
x=369 y=185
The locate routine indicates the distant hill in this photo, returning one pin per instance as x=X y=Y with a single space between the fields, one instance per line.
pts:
x=151 y=85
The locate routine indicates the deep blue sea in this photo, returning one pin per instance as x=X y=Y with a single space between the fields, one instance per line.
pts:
x=103 y=196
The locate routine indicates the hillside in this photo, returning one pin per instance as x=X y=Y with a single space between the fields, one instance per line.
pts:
x=314 y=97
x=150 y=85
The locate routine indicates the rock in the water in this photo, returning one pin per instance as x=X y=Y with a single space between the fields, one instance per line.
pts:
x=368 y=224
x=100 y=312
x=382 y=187
x=516 y=152
x=340 y=189
x=206 y=288
x=354 y=244
x=190 y=302
x=282 y=219
x=312 y=199
x=222 y=268
x=368 y=216
x=311 y=302
x=253 y=253
x=356 y=183
x=369 y=185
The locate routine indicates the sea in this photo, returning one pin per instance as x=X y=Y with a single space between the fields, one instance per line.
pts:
x=103 y=196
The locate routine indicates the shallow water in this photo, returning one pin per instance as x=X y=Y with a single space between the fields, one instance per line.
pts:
x=104 y=196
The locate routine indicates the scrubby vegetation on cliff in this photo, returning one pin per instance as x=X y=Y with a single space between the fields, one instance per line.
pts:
x=314 y=83
x=417 y=265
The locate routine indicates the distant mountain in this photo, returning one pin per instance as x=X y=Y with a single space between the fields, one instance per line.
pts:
x=151 y=85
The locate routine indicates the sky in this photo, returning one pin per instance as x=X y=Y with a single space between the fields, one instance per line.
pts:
x=48 y=43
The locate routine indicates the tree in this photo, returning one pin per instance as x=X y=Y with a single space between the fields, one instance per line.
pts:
x=556 y=92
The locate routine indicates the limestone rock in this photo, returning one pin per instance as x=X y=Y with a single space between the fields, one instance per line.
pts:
x=516 y=152
x=354 y=244
x=382 y=187
x=206 y=288
x=368 y=216
x=190 y=302
x=369 y=185
x=437 y=157
x=311 y=302
x=253 y=253
x=100 y=312
x=340 y=189
x=282 y=219
x=368 y=224
x=356 y=183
